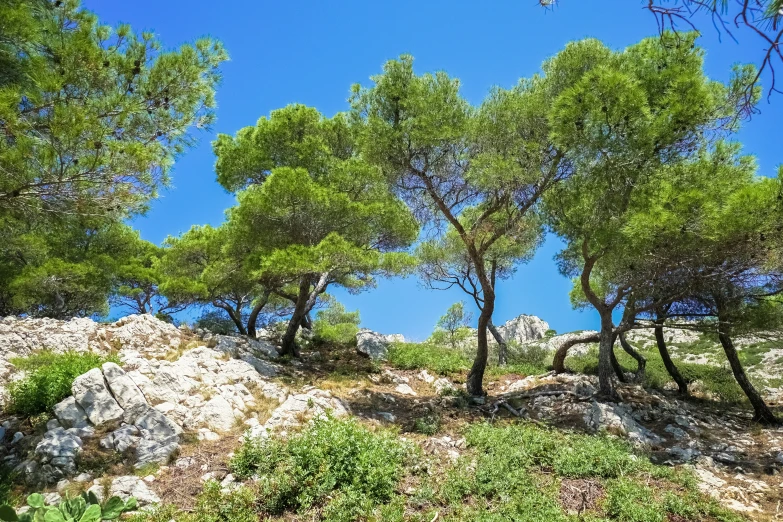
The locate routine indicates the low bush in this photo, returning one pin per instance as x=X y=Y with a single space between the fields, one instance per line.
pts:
x=49 y=379
x=514 y=472
x=438 y=359
x=338 y=464
x=336 y=325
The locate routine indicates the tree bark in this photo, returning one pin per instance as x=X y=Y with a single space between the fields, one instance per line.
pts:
x=502 y=345
x=606 y=369
x=641 y=361
x=305 y=301
x=618 y=370
x=253 y=317
x=558 y=363
x=476 y=375
x=682 y=385
x=762 y=413
x=233 y=315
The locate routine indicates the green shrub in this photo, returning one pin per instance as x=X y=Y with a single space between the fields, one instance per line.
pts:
x=336 y=325
x=438 y=359
x=531 y=355
x=336 y=463
x=83 y=508
x=237 y=505
x=49 y=379
x=428 y=425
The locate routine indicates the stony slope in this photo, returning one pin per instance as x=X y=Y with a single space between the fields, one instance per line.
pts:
x=164 y=420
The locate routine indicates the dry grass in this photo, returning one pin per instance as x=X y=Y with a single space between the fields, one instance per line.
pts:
x=182 y=486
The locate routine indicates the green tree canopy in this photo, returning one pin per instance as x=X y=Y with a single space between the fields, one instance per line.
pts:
x=198 y=268
x=626 y=123
x=477 y=170
x=91 y=118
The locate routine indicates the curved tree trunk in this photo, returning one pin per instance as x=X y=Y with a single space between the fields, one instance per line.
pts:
x=558 y=363
x=476 y=375
x=618 y=370
x=502 y=345
x=305 y=301
x=307 y=322
x=253 y=317
x=233 y=315
x=682 y=385
x=762 y=414
x=641 y=361
x=606 y=369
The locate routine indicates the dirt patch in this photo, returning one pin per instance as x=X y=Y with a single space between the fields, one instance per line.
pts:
x=580 y=495
x=181 y=484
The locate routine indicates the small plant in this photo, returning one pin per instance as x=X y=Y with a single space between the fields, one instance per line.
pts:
x=83 y=508
x=49 y=379
x=429 y=425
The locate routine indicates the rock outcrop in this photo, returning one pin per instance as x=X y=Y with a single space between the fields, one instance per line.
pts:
x=524 y=328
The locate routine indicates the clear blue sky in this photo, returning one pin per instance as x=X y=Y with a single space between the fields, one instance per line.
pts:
x=311 y=52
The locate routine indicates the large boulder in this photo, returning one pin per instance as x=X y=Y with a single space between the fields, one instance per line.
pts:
x=70 y=414
x=375 y=345
x=93 y=396
x=125 y=391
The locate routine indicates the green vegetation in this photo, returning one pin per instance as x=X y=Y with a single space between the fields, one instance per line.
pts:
x=341 y=471
x=48 y=379
x=335 y=325
x=83 y=508
x=337 y=464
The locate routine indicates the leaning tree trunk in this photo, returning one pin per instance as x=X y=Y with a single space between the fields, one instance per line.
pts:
x=641 y=362
x=253 y=317
x=233 y=315
x=502 y=345
x=558 y=363
x=305 y=301
x=605 y=345
x=682 y=385
x=618 y=370
x=762 y=414
x=476 y=375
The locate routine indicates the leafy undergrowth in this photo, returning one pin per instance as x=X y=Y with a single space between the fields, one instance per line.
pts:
x=49 y=379
x=716 y=381
x=444 y=360
x=340 y=470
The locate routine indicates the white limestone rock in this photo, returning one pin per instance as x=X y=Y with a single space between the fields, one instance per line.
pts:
x=125 y=391
x=375 y=345
x=93 y=396
x=524 y=328
x=132 y=486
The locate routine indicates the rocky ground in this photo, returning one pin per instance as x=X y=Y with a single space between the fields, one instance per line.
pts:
x=162 y=422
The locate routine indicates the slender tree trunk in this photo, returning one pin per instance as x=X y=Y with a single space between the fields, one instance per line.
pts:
x=605 y=346
x=641 y=361
x=304 y=303
x=502 y=345
x=558 y=363
x=233 y=315
x=253 y=317
x=476 y=375
x=762 y=414
x=682 y=385
x=618 y=370
x=307 y=321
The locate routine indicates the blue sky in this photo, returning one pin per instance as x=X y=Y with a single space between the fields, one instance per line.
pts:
x=311 y=52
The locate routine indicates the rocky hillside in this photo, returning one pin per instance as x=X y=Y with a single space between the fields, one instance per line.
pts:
x=162 y=421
